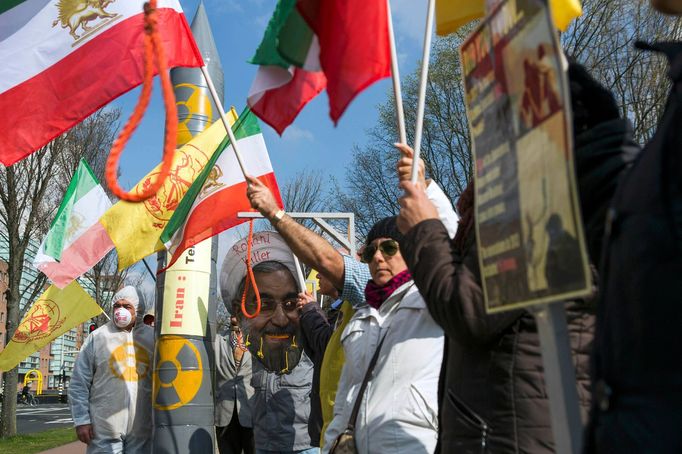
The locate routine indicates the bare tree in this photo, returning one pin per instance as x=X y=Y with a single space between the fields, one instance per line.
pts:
x=305 y=192
x=603 y=39
x=30 y=192
x=104 y=280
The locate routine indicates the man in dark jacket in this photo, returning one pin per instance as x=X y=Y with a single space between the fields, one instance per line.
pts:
x=317 y=330
x=638 y=344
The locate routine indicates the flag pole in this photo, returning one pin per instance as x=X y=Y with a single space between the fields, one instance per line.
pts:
x=299 y=273
x=223 y=117
x=422 y=89
x=395 y=75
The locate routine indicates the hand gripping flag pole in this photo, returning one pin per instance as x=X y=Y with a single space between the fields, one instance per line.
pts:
x=423 y=78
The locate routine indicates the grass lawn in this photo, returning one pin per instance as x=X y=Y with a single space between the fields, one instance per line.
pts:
x=32 y=443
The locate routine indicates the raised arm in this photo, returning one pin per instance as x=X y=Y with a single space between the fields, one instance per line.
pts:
x=309 y=247
x=450 y=284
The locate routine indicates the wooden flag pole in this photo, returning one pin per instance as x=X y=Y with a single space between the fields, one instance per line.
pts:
x=422 y=88
x=395 y=75
x=219 y=105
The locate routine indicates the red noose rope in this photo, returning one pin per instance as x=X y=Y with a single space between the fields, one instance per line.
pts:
x=250 y=277
x=152 y=48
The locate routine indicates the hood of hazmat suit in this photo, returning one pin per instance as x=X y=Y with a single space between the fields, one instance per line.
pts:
x=111 y=387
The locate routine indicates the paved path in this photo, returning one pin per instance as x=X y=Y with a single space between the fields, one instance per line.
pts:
x=43 y=417
x=72 y=448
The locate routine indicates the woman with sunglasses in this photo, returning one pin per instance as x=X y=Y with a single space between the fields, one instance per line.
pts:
x=397 y=412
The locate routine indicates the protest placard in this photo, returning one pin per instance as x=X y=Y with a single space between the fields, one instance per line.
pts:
x=528 y=227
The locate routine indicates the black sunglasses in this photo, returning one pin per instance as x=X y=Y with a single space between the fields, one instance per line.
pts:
x=388 y=248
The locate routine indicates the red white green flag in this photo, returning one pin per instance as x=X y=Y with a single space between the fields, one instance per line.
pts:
x=289 y=75
x=354 y=46
x=211 y=204
x=64 y=59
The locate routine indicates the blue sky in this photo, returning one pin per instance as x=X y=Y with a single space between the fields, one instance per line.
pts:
x=311 y=142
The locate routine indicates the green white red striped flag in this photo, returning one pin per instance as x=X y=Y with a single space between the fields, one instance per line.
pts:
x=76 y=240
x=309 y=45
x=64 y=59
x=211 y=204
x=289 y=75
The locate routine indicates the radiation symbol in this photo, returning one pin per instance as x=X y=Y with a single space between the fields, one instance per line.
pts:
x=193 y=104
x=130 y=362
x=178 y=376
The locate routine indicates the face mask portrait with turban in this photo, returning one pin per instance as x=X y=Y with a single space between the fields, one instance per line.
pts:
x=272 y=334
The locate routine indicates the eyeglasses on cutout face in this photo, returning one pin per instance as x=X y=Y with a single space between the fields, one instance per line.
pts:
x=268 y=306
x=388 y=248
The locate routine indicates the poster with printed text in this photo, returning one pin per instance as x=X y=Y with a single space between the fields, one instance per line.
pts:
x=528 y=227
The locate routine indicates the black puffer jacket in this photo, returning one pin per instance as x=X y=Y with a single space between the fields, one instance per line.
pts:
x=494 y=398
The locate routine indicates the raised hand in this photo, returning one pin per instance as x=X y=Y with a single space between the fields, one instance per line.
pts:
x=261 y=198
x=404 y=165
x=415 y=206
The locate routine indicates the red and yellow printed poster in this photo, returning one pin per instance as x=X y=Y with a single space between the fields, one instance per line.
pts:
x=528 y=226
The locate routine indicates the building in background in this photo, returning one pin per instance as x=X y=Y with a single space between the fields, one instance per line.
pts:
x=55 y=361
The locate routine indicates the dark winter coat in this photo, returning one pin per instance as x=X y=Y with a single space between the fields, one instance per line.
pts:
x=494 y=398
x=638 y=346
x=316 y=334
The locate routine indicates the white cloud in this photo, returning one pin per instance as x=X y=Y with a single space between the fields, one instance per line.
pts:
x=295 y=133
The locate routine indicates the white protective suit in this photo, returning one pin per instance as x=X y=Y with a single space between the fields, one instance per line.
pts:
x=111 y=388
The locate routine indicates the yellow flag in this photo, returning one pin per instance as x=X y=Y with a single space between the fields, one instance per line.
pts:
x=332 y=363
x=312 y=282
x=452 y=14
x=564 y=11
x=135 y=228
x=53 y=314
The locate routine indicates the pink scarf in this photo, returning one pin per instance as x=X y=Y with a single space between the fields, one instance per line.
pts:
x=375 y=295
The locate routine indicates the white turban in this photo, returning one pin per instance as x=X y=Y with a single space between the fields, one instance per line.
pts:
x=129 y=294
x=267 y=247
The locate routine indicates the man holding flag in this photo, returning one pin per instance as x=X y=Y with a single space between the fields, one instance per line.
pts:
x=110 y=391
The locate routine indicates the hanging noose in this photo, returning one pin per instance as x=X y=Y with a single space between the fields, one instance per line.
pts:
x=152 y=48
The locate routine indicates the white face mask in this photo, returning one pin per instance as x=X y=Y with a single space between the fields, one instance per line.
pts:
x=122 y=317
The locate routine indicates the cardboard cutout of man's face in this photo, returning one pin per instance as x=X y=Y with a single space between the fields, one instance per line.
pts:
x=273 y=336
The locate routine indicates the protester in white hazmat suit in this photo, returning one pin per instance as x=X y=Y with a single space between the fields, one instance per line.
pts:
x=111 y=386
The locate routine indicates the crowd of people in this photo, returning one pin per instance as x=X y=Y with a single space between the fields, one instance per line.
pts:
x=405 y=359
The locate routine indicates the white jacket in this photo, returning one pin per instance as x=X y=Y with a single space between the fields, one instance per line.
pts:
x=111 y=387
x=399 y=411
